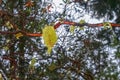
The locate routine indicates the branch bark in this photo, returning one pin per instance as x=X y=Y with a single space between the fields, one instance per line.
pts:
x=57 y=25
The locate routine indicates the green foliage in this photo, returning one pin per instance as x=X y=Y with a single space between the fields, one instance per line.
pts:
x=105 y=8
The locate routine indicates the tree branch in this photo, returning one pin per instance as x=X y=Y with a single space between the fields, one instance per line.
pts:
x=57 y=25
x=84 y=24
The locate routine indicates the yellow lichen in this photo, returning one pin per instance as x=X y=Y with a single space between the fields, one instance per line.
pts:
x=107 y=25
x=49 y=37
x=9 y=25
x=18 y=35
x=72 y=28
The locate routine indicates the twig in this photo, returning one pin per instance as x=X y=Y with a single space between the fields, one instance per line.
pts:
x=57 y=25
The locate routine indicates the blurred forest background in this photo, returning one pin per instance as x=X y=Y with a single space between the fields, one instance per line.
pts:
x=83 y=53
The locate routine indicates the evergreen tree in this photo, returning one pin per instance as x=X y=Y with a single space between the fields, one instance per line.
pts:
x=81 y=51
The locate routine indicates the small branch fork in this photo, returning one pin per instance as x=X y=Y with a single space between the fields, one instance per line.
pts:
x=57 y=25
